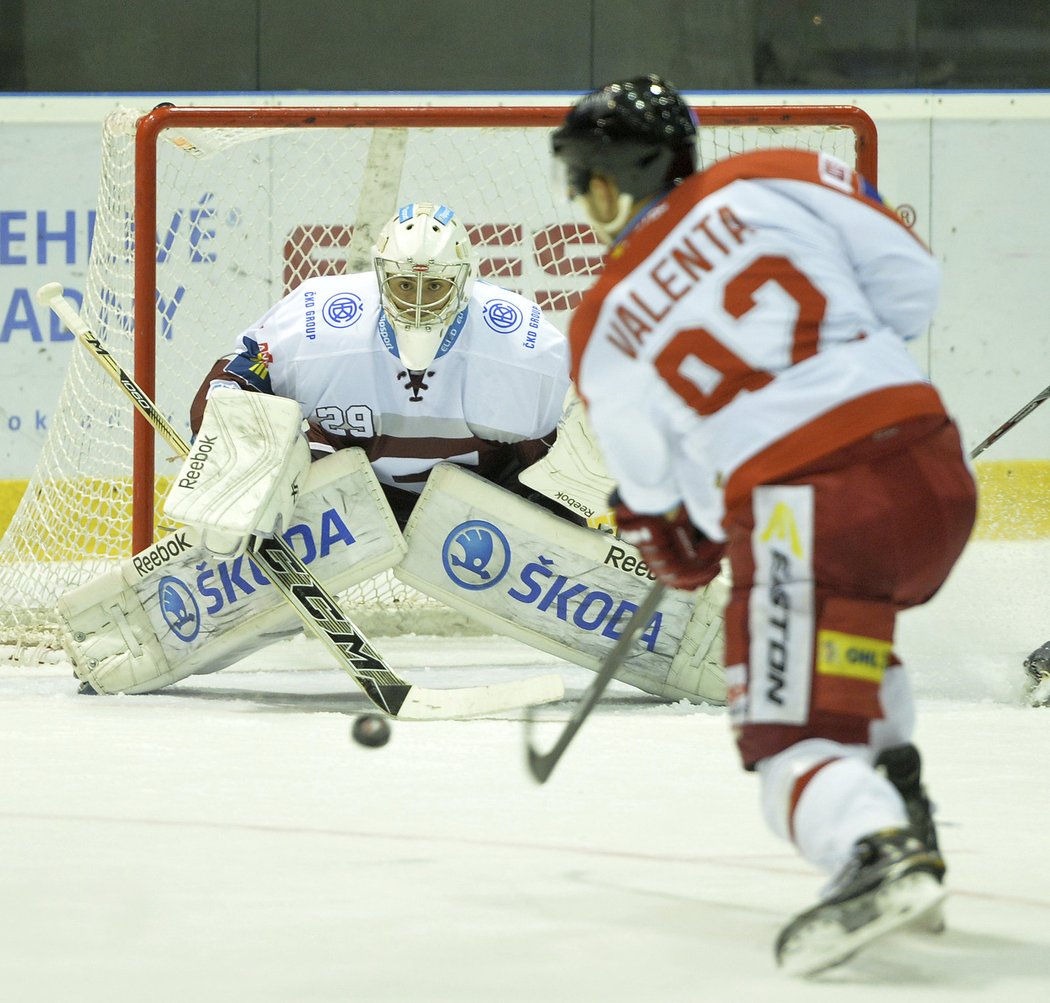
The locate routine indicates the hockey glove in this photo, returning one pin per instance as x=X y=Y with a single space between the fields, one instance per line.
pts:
x=676 y=551
x=243 y=472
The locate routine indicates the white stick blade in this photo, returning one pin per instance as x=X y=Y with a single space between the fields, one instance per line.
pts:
x=477 y=701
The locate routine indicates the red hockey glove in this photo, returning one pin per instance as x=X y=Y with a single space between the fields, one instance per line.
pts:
x=675 y=550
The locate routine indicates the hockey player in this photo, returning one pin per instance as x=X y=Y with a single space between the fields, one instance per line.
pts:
x=425 y=392
x=396 y=364
x=1037 y=676
x=743 y=361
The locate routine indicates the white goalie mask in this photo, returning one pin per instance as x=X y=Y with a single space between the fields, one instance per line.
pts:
x=425 y=268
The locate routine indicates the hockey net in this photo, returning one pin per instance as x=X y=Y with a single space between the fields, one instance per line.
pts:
x=239 y=206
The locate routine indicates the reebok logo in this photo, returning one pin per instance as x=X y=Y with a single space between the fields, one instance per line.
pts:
x=160 y=553
x=619 y=558
x=196 y=460
x=570 y=502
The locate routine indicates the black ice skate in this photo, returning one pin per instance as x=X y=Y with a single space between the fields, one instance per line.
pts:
x=1037 y=667
x=892 y=881
x=902 y=766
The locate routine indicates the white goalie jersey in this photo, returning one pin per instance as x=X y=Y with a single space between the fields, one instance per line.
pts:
x=499 y=378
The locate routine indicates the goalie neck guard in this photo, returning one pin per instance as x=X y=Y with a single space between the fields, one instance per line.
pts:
x=425 y=268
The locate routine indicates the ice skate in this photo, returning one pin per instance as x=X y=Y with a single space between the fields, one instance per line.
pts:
x=902 y=766
x=893 y=880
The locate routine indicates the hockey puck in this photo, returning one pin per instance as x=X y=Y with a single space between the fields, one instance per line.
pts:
x=370 y=730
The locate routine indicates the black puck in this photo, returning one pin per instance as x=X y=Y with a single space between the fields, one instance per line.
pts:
x=371 y=730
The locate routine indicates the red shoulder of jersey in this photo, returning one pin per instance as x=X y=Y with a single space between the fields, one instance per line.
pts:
x=796 y=165
x=793 y=165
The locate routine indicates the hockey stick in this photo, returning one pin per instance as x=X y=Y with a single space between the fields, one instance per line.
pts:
x=541 y=765
x=1010 y=422
x=388 y=691
x=377 y=199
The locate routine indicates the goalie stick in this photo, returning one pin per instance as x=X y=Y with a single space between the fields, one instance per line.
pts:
x=1010 y=422
x=541 y=765
x=384 y=688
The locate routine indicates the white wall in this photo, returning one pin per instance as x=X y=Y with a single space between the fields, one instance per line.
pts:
x=970 y=165
x=978 y=163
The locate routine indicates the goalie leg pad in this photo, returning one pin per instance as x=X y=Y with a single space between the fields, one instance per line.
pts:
x=174 y=610
x=564 y=589
x=697 y=669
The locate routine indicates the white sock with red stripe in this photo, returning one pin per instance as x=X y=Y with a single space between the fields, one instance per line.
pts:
x=824 y=796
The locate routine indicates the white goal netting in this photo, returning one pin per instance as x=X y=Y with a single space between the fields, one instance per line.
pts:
x=245 y=209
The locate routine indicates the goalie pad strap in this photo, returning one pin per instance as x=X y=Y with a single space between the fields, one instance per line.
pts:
x=573 y=472
x=561 y=588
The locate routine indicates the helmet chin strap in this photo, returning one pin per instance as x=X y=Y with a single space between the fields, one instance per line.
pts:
x=608 y=230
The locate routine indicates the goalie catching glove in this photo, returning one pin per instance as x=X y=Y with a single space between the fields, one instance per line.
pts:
x=242 y=475
x=676 y=551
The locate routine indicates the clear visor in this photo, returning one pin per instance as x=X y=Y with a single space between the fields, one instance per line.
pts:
x=421 y=301
x=421 y=295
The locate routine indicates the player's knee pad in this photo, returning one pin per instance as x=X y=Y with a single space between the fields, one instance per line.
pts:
x=806 y=662
x=173 y=610
x=562 y=588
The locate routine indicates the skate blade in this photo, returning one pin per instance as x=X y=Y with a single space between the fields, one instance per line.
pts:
x=914 y=899
x=931 y=921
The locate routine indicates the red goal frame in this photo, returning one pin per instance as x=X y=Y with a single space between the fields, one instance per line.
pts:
x=152 y=125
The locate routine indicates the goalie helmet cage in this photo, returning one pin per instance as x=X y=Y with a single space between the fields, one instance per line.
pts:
x=242 y=204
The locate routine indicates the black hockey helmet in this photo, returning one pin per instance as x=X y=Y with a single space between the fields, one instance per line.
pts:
x=639 y=132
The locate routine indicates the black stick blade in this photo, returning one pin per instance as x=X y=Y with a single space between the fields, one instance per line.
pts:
x=541 y=765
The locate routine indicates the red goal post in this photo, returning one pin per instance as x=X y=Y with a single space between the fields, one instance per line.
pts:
x=239 y=204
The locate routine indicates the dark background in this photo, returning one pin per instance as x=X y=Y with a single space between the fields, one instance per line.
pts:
x=536 y=45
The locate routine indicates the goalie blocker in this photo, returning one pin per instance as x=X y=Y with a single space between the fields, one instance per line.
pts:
x=559 y=587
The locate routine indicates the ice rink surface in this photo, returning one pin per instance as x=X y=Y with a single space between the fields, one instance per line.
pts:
x=224 y=840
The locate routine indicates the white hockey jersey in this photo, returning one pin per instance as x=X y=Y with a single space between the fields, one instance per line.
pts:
x=500 y=375
x=756 y=319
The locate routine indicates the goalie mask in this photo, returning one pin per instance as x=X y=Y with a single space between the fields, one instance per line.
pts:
x=425 y=268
